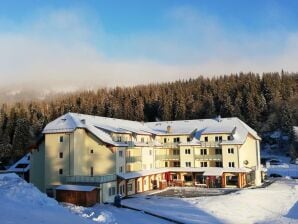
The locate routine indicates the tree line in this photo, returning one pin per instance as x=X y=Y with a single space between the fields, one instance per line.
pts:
x=265 y=102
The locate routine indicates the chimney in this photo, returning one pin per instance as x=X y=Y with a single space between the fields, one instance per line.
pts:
x=169 y=129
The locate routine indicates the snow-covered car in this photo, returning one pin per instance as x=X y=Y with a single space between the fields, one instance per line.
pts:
x=275 y=162
x=294 y=161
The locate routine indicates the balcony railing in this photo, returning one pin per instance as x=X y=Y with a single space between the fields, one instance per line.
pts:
x=89 y=179
x=210 y=144
x=167 y=157
x=133 y=159
x=170 y=145
x=217 y=157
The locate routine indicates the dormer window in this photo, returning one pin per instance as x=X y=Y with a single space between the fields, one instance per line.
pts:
x=229 y=138
x=206 y=139
x=61 y=139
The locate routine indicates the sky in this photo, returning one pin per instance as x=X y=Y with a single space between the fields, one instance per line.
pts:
x=70 y=44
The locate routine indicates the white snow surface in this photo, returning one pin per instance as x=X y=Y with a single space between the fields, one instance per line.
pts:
x=21 y=202
x=275 y=204
x=69 y=187
x=109 y=214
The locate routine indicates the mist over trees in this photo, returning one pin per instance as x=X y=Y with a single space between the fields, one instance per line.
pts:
x=267 y=102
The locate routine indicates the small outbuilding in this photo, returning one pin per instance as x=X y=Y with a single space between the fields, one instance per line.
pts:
x=77 y=194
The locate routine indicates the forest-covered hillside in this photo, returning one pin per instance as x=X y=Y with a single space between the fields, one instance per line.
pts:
x=266 y=102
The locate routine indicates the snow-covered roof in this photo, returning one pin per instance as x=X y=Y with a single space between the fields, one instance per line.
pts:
x=22 y=165
x=101 y=127
x=67 y=187
x=207 y=171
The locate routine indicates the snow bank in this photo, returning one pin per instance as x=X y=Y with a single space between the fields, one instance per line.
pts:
x=275 y=204
x=253 y=205
x=21 y=202
x=109 y=214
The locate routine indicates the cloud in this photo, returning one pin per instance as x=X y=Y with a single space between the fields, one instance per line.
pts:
x=60 y=50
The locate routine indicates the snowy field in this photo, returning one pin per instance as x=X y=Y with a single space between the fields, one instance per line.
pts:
x=275 y=204
x=21 y=202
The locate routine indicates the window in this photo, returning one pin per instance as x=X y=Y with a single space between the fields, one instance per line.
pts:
x=61 y=139
x=177 y=139
x=166 y=164
x=231 y=164
x=120 y=153
x=176 y=152
x=231 y=150
x=138 y=186
x=112 y=191
x=187 y=178
x=188 y=139
x=176 y=164
x=229 y=137
x=187 y=151
x=129 y=187
x=218 y=138
x=91 y=151
x=121 y=189
x=91 y=171
x=218 y=151
x=188 y=164
x=119 y=139
x=120 y=169
x=206 y=139
x=218 y=164
x=203 y=151
x=165 y=140
x=204 y=164
x=60 y=171
x=61 y=155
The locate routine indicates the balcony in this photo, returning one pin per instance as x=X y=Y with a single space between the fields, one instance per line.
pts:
x=167 y=157
x=170 y=145
x=217 y=157
x=133 y=159
x=210 y=144
x=89 y=179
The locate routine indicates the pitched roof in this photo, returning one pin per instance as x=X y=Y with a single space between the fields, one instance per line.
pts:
x=102 y=126
x=67 y=187
x=22 y=165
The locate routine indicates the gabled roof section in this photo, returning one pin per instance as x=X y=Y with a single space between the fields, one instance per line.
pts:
x=22 y=165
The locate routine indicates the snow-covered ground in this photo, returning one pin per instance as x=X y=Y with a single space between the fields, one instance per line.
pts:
x=111 y=214
x=21 y=202
x=275 y=204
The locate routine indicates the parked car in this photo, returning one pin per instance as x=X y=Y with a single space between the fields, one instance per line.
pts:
x=275 y=162
x=275 y=175
x=294 y=161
